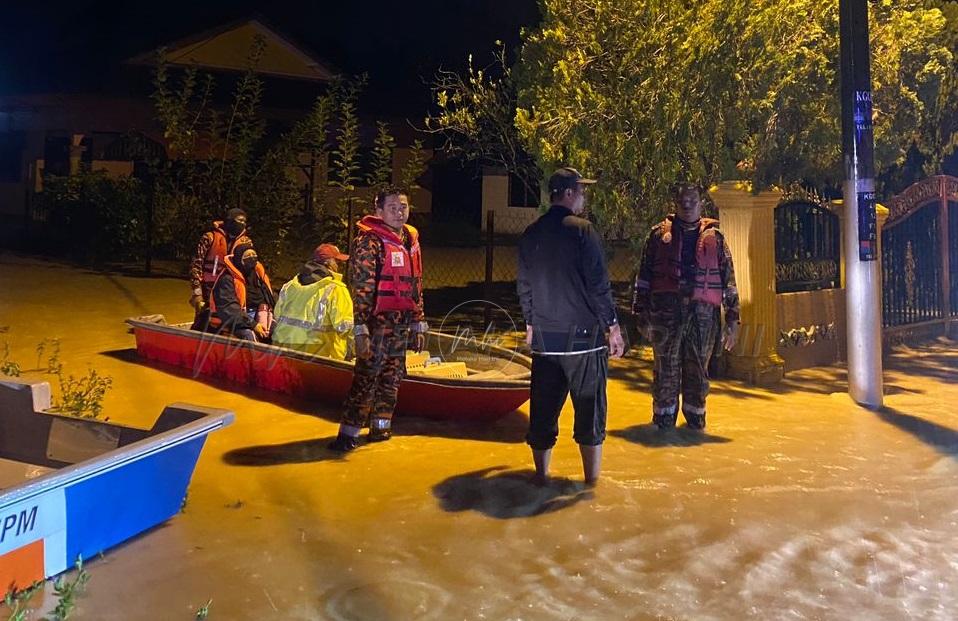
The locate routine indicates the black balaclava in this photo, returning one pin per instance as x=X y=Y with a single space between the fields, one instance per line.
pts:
x=231 y=226
x=245 y=267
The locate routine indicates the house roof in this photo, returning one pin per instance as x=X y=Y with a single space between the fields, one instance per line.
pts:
x=227 y=47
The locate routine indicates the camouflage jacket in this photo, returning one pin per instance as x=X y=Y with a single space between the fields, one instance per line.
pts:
x=642 y=293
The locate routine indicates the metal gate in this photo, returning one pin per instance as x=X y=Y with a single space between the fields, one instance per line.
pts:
x=918 y=249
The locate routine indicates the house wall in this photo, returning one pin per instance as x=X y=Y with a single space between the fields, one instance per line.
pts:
x=495 y=197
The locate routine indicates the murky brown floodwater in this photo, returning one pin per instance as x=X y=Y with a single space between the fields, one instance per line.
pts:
x=795 y=505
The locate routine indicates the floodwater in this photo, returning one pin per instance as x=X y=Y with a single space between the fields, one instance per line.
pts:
x=795 y=505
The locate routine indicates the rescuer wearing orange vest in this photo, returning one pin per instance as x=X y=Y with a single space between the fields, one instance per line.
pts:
x=385 y=278
x=686 y=276
x=242 y=299
x=211 y=251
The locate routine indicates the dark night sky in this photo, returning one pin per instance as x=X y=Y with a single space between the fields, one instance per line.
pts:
x=72 y=46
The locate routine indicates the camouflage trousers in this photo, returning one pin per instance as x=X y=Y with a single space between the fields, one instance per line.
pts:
x=683 y=338
x=375 y=389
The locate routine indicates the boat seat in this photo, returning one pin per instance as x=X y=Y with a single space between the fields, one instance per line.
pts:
x=443 y=369
x=490 y=374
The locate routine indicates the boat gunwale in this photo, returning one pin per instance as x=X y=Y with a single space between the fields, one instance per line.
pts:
x=211 y=420
x=485 y=384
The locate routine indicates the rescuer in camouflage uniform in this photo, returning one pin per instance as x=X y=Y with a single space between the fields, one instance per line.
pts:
x=385 y=279
x=686 y=276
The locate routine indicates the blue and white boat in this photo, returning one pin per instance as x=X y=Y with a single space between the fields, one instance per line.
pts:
x=71 y=488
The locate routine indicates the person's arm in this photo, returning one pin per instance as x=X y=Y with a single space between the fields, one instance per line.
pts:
x=196 y=265
x=419 y=315
x=596 y=275
x=600 y=290
x=642 y=289
x=340 y=310
x=729 y=295
x=363 y=270
x=729 y=291
x=524 y=284
x=524 y=289
x=228 y=308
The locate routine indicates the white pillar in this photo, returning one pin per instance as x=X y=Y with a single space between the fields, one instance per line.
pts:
x=862 y=311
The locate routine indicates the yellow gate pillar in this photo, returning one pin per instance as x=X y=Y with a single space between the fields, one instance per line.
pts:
x=748 y=222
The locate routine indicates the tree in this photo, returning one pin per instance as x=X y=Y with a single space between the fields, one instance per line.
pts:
x=647 y=92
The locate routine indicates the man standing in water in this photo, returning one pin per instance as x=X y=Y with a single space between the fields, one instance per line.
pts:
x=385 y=279
x=685 y=278
x=570 y=317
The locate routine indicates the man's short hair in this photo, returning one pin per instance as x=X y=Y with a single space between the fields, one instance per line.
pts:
x=389 y=190
x=681 y=187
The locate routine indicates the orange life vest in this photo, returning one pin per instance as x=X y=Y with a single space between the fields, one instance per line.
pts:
x=239 y=284
x=399 y=287
x=667 y=262
x=214 y=261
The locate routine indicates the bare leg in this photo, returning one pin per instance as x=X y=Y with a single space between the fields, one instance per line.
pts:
x=591 y=462
x=541 y=460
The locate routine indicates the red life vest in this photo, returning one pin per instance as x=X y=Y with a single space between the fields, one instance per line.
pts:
x=399 y=287
x=239 y=284
x=667 y=263
x=214 y=261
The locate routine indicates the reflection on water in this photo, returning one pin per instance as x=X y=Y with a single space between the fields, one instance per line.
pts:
x=794 y=505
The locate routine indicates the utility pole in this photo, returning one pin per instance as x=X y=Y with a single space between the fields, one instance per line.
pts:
x=862 y=266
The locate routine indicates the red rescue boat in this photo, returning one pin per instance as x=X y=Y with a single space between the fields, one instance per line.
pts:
x=474 y=381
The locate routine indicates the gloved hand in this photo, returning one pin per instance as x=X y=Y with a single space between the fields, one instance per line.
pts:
x=196 y=301
x=261 y=331
x=363 y=348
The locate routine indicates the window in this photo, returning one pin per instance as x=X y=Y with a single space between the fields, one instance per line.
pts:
x=523 y=194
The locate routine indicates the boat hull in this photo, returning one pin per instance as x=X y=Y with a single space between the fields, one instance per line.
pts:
x=323 y=379
x=93 y=484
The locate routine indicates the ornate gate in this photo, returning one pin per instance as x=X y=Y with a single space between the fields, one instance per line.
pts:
x=918 y=251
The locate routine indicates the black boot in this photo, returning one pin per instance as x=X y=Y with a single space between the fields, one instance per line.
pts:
x=344 y=443
x=379 y=435
x=664 y=421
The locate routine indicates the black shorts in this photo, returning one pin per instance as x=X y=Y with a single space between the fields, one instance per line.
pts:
x=553 y=378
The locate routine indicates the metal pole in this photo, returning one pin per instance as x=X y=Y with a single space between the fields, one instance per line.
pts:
x=490 y=245
x=862 y=269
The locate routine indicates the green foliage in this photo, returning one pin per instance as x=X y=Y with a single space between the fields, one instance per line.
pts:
x=51 y=348
x=413 y=167
x=95 y=217
x=381 y=171
x=346 y=153
x=67 y=591
x=650 y=92
x=9 y=367
x=82 y=396
x=79 y=396
x=17 y=601
x=204 y=610
x=477 y=118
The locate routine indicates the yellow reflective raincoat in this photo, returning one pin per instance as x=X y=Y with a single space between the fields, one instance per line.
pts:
x=316 y=318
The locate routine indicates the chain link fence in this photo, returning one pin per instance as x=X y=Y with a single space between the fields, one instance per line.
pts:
x=470 y=279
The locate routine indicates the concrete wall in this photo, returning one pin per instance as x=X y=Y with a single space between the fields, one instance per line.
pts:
x=495 y=197
x=811 y=328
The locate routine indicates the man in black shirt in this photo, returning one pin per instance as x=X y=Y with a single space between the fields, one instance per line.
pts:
x=567 y=305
